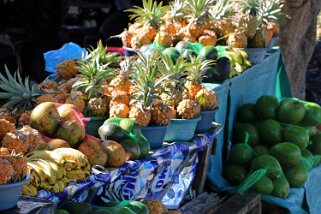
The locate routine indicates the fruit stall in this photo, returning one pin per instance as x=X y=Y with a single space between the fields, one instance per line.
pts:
x=198 y=91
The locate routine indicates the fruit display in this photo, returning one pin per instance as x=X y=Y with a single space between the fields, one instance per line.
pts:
x=239 y=24
x=278 y=136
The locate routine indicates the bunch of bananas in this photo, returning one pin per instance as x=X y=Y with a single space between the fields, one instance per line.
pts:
x=239 y=61
x=52 y=170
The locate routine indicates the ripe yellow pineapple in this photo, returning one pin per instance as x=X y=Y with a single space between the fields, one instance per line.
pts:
x=275 y=27
x=208 y=38
x=24 y=118
x=188 y=109
x=5 y=127
x=248 y=24
x=122 y=81
x=120 y=97
x=7 y=171
x=48 y=85
x=62 y=96
x=126 y=38
x=77 y=99
x=140 y=115
x=207 y=99
x=174 y=112
x=149 y=31
x=46 y=98
x=98 y=106
x=155 y=207
x=67 y=69
x=33 y=135
x=172 y=99
x=7 y=115
x=18 y=163
x=66 y=85
x=4 y=151
x=119 y=110
x=160 y=114
x=237 y=39
x=139 y=40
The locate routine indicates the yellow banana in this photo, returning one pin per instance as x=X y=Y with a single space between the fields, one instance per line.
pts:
x=242 y=53
x=26 y=190
x=78 y=175
x=55 y=188
x=46 y=155
x=37 y=169
x=70 y=165
x=46 y=186
x=65 y=180
x=34 y=190
x=35 y=178
x=61 y=185
x=234 y=57
x=56 y=169
x=62 y=171
x=49 y=172
x=72 y=155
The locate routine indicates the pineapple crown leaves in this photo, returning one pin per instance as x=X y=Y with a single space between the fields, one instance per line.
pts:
x=19 y=93
x=269 y=9
x=177 y=9
x=148 y=82
x=198 y=9
x=197 y=70
x=248 y=6
x=151 y=13
x=222 y=9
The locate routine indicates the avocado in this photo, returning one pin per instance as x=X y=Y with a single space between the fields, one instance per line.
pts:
x=234 y=173
x=143 y=145
x=297 y=175
x=115 y=120
x=315 y=147
x=268 y=162
x=172 y=52
x=208 y=52
x=270 y=131
x=261 y=150
x=291 y=111
x=266 y=107
x=241 y=129
x=246 y=113
x=112 y=131
x=241 y=154
x=223 y=69
x=264 y=185
x=286 y=153
x=132 y=148
x=281 y=187
x=312 y=115
x=295 y=134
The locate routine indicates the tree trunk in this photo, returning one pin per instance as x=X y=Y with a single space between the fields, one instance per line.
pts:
x=297 y=41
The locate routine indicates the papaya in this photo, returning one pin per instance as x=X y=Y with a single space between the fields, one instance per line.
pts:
x=234 y=173
x=172 y=53
x=115 y=152
x=266 y=107
x=281 y=187
x=246 y=113
x=208 y=52
x=286 y=153
x=268 y=162
x=295 y=134
x=241 y=153
x=312 y=115
x=94 y=152
x=291 y=111
x=261 y=150
x=112 y=131
x=297 y=175
x=264 y=185
x=270 y=131
x=242 y=129
x=315 y=146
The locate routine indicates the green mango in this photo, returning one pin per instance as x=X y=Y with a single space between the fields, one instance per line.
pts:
x=266 y=107
x=268 y=162
x=286 y=153
x=281 y=187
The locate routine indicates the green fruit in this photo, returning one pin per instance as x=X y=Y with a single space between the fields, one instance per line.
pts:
x=172 y=52
x=266 y=107
x=111 y=131
x=132 y=148
x=144 y=146
x=312 y=115
x=241 y=153
x=270 y=131
x=311 y=130
x=286 y=153
x=188 y=54
x=315 y=147
x=116 y=120
x=296 y=135
x=268 y=162
x=234 y=173
x=208 y=52
x=261 y=150
x=297 y=175
x=291 y=111
x=246 y=113
x=281 y=187
x=264 y=185
x=306 y=153
x=240 y=131
x=71 y=132
x=181 y=46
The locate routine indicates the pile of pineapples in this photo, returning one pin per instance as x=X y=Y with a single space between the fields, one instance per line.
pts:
x=237 y=23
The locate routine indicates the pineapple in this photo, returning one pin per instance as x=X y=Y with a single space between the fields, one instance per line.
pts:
x=195 y=75
x=62 y=97
x=174 y=112
x=97 y=106
x=77 y=99
x=126 y=38
x=67 y=69
x=119 y=110
x=66 y=85
x=5 y=127
x=155 y=207
x=139 y=41
x=120 y=97
x=161 y=114
x=237 y=39
x=140 y=115
x=188 y=109
x=122 y=82
x=198 y=17
x=275 y=26
x=46 y=98
x=24 y=118
x=4 y=151
x=164 y=39
x=19 y=95
x=7 y=171
x=207 y=99
x=48 y=85
x=19 y=165
x=208 y=38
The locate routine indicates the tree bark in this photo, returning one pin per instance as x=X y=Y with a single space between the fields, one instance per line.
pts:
x=297 y=41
